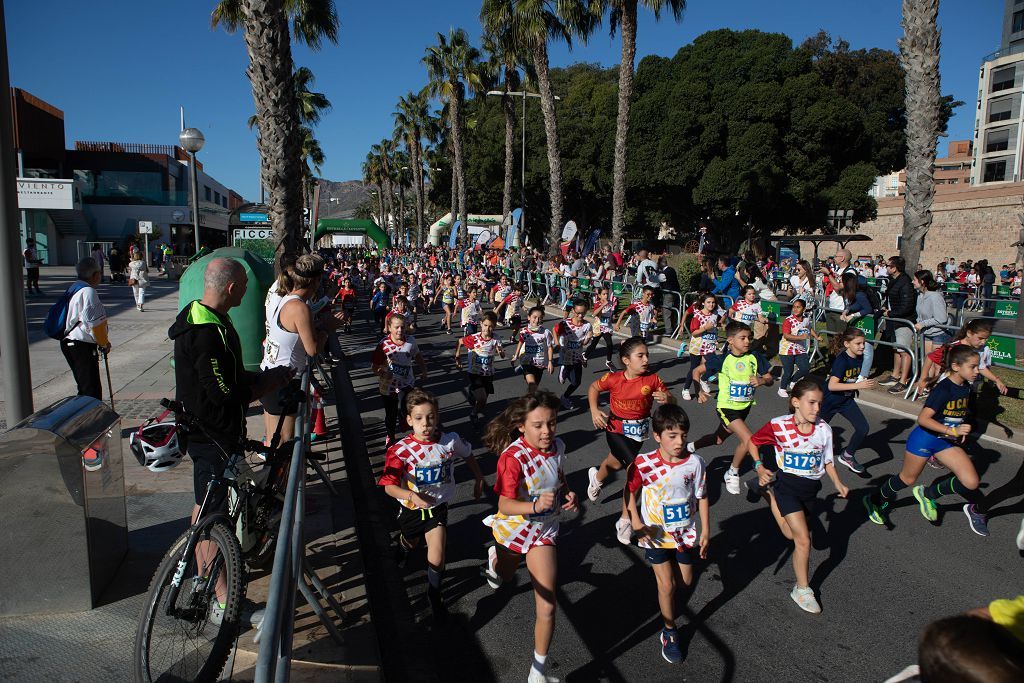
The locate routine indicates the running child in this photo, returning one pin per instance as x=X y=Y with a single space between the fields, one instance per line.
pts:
x=471 y=311
x=740 y=375
x=418 y=474
x=703 y=342
x=512 y=308
x=399 y=306
x=604 y=311
x=481 y=348
x=379 y=306
x=499 y=291
x=347 y=297
x=392 y=362
x=844 y=381
x=631 y=395
x=573 y=334
x=747 y=310
x=941 y=431
x=646 y=315
x=532 y=492
x=535 y=350
x=572 y=293
x=793 y=347
x=975 y=334
x=803 y=454
x=447 y=292
x=671 y=482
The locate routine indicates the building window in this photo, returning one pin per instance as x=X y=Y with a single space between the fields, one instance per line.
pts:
x=1018 y=22
x=1003 y=79
x=208 y=193
x=216 y=198
x=995 y=171
x=997 y=141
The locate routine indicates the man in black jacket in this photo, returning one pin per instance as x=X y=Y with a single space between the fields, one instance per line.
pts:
x=902 y=304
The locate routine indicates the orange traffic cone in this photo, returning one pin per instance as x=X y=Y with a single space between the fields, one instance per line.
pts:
x=319 y=424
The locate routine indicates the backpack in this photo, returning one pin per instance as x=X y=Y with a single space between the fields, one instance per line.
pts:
x=873 y=298
x=55 y=324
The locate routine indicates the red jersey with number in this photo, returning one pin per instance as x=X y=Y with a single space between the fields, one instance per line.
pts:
x=629 y=399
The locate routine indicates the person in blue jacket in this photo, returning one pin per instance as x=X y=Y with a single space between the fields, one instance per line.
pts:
x=726 y=284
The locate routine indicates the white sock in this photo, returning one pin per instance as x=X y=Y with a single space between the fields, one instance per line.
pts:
x=733 y=470
x=539 y=662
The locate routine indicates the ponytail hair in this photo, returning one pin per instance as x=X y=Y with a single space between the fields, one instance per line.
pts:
x=504 y=429
x=958 y=355
x=973 y=326
x=839 y=340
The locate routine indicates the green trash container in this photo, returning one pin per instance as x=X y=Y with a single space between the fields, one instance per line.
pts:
x=249 y=317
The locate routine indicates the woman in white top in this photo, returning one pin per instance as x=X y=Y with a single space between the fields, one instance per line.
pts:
x=802 y=283
x=291 y=338
x=138 y=277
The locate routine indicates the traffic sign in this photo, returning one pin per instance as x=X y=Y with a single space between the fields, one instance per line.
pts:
x=145 y=227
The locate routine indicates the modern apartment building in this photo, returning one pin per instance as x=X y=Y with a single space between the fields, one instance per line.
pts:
x=998 y=138
x=951 y=171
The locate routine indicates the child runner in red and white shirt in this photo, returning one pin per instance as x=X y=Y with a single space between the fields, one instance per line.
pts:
x=671 y=484
x=703 y=338
x=535 y=349
x=418 y=473
x=646 y=315
x=481 y=348
x=793 y=347
x=532 y=492
x=392 y=362
x=471 y=311
x=604 y=311
x=512 y=308
x=573 y=334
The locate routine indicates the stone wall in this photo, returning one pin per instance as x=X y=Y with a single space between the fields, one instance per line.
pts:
x=967 y=223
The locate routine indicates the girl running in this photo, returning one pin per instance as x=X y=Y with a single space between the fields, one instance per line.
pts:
x=604 y=311
x=974 y=334
x=631 y=395
x=379 y=306
x=512 y=308
x=643 y=312
x=418 y=474
x=392 y=362
x=481 y=348
x=347 y=296
x=793 y=348
x=803 y=454
x=670 y=480
x=532 y=492
x=941 y=430
x=842 y=388
x=572 y=334
x=471 y=311
x=703 y=339
x=535 y=349
x=447 y=293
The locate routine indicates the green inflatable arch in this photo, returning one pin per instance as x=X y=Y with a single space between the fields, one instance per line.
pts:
x=327 y=226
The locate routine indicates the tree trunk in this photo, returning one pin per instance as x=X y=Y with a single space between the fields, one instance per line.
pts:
x=455 y=108
x=919 y=57
x=547 y=105
x=380 y=207
x=417 y=181
x=401 y=211
x=455 y=202
x=627 y=29
x=267 y=42
x=509 y=108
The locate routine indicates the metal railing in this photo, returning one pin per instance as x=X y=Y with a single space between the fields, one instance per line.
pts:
x=291 y=571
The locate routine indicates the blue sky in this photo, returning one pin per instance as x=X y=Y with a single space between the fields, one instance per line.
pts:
x=120 y=69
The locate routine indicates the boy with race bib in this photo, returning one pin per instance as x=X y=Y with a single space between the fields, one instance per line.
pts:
x=671 y=485
x=418 y=474
x=803 y=454
x=631 y=395
x=481 y=349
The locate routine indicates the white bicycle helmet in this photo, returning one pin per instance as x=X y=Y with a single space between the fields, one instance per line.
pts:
x=155 y=444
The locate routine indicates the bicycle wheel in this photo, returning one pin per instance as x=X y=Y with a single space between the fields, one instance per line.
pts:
x=179 y=642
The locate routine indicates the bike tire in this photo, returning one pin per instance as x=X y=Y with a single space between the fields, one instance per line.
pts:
x=217 y=644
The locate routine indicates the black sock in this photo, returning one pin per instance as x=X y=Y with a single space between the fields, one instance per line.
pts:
x=941 y=487
x=886 y=493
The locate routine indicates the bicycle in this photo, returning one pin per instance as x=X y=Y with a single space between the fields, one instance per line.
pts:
x=184 y=634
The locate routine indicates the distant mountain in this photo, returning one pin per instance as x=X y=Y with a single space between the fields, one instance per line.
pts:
x=339 y=199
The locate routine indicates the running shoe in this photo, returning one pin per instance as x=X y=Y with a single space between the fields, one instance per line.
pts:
x=851 y=462
x=705 y=387
x=732 y=482
x=888 y=382
x=935 y=463
x=681 y=351
x=1020 y=536
x=585 y=359
x=610 y=365
x=805 y=598
x=437 y=606
x=711 y=378
x=623 y=531
x=925 y=504
x=898 y=388
x=670 y=646
x=216 y=615
x=782 y=393
x=493 y=580
x=594 y=488
x=561 y=374
x=979 y=524
x=567 y=403
x=875 y=514
x=686 y=395
x=538 y=677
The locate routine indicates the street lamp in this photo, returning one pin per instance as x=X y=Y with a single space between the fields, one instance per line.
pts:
x=522 y=179
x=192 y=141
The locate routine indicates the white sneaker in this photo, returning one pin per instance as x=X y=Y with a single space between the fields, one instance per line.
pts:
x=623 y=531
x=805 y=598
x=686 y=395
x=1020 y=536
x=594 y=488
x=705 y=387
x=561 y=374
x=732 y=482
x=538 y=677
x=567 y=403
x=493 y=580
x=783 y=393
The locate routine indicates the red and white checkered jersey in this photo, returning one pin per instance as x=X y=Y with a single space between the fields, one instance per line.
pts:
x=572 y=339
x=500 y=291
x=471 y=311
x=746 y=312
x=424 y=467
x=796 y=326
x=513 y=305
x=399 y=360
x=605 y=314
x=804 y=455
x=535 y=346
x=668 y=498
x=523 y=474
x=707 y=342
x=645 y=312
x=481 y=353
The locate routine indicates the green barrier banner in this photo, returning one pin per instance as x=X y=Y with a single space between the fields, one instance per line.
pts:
x=952 y=286
x=867 y=325
x=779 y=276
x=1004 y=349
x=1006 y=309
x=773 y=310
x=872 y=282
x=1002 y=290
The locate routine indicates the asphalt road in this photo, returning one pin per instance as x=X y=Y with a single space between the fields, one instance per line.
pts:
x=878 y=587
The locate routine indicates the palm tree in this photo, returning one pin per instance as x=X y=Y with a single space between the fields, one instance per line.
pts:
x=384 y=151
x=623 y=15
x=410 y=119
x=312 y=163
x=373 y=175
x=453 y=67
x=313 y=21
x=530 y=24
x=279 y=142
x=919 y=57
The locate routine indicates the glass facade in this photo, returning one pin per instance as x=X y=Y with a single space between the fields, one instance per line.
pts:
x=129 y=187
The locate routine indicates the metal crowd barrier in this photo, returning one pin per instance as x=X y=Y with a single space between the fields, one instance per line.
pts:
x=291 y=571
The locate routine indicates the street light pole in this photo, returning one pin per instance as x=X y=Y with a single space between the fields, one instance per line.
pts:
x=192 y=141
